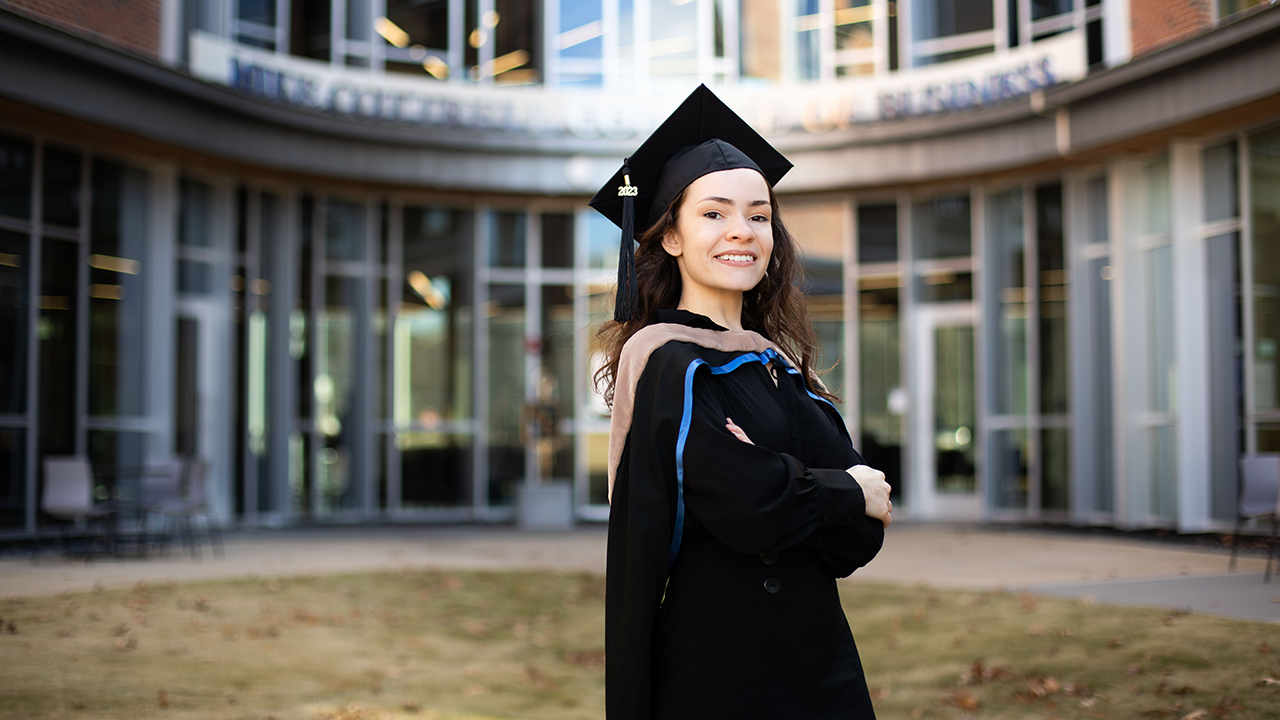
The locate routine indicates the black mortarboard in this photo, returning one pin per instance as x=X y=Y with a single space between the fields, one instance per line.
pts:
x=702 y=136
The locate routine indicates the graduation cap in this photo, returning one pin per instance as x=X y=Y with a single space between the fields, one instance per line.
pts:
x=702 y=136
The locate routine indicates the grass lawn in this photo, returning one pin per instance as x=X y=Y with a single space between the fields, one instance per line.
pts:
x=455 y=645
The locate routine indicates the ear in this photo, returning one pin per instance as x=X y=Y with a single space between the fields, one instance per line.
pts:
x=671 y=243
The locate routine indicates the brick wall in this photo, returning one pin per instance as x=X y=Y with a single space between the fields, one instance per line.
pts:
x=131 y=25
x=1156 y=23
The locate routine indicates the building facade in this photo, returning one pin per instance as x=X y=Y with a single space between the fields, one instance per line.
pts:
x=341 y=249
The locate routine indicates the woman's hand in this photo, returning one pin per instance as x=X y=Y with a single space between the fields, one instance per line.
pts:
x=876 y=492
x=737 y=431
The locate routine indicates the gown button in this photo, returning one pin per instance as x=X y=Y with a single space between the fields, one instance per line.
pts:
x=769 y=558
x=772 y=585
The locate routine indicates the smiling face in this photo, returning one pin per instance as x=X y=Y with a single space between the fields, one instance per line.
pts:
x=723 y=237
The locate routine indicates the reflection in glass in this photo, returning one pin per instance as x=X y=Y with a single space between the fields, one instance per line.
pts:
x=1164 y=472
x=880 y=378
x=944 y=18
x=338 y=332
x=944 y=285
x=15 y=268
x=506 y=239
x=598 y=468
x=61 y=192
x=1006 y=264
x=554 y=403
x=877 y=233
x=1097 y=213
x=557 y=240
x=602 y=242
x=595 y=412
x=194 y=213
x=761 y=42
x=15 y=177
x=1098 y=288
x=1010 y=468
x=1055 y=457
x=1221 y=199
x=117 y=459
x=941 y=227
x=300 y=331
x=186 y=400
x=1052 y=299
x=60 y=280
x=431 y=395
x=506 y=311
x=13 y=478
x=117 y=291
x=580 y=42
x=344 y=230
x=1160 y=371
x=1156 y=211
x=673 y=39
x=954 y=410
x=1264 y=169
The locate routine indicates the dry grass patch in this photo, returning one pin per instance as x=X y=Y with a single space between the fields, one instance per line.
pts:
x=459 y=646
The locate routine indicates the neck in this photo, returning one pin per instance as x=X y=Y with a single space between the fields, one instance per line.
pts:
x=723 y=308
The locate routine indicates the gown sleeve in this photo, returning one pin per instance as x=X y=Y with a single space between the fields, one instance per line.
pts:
x=755 y=500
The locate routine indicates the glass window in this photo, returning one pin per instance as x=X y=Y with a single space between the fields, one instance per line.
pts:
x=602 y=242
x=673 y=39
x=507 y=239
x=344 y=230
x=580 y=42
x=557 y=240
x=433 y=373
x=15 y=268
x=506 y=310
x=259 y=11
x=359 y=20
x=941 y=227
x=1055 y=457
x=1160 y=377
x=883 y=400
x=955 y=412
x=877 y=233
x=15 y=177
x=195 y=278
x=195 y=212
x=1156 y=210
x=60 y=283
x=512 y=26
x=1264 y=170
x=554 y=403
x=1010 y=468
x=1041 y=9
x=808 y=45
x=1052 y=311
x=13 y=478
x=1097 y=217
x=117 y=291
x=761 y=41
x=117 y=459
x=309 y=28
x=339 y=335
x=1220 y=179
x=854 y=37
x=1231 y=7
x=1098 y=288
x=1006 y=263
x=944 y=18
x=61 y=192
x=819 y=230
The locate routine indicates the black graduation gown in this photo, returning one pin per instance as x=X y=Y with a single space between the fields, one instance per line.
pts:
x=732 y=610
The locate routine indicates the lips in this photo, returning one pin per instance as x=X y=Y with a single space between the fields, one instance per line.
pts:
x=735 y=258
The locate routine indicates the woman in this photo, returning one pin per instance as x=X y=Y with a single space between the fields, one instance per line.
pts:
x=737 y=497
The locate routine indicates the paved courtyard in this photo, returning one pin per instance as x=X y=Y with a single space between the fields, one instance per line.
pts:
x=1108 y=570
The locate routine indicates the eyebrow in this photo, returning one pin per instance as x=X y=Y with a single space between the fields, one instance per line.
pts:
x=728 y=201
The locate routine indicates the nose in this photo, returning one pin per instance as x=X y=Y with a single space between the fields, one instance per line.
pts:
x=742 y=230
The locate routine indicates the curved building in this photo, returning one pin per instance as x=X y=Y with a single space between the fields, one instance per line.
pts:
x=341 y=248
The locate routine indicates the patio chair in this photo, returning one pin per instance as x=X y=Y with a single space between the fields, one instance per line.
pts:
x=1259 y=497
x=68 y=496
x=193 y=503
x=159 y=485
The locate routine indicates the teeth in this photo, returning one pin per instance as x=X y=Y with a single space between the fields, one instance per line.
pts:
x=737 y=258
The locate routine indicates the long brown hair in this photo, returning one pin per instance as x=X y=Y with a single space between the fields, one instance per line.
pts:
x=775 y=304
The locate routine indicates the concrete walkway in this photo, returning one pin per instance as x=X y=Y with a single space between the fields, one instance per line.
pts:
x=1061 y=564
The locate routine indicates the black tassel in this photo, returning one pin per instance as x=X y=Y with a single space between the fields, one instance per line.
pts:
x=624 y=305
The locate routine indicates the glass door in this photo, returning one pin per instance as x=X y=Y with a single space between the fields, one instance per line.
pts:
x=945 y=478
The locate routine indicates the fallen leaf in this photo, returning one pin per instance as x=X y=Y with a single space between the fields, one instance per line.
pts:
x=164 y=699
x=1115 y=642
x=1264 y=649
x=1036 y=629
x=1196 y=715
x=964 y=700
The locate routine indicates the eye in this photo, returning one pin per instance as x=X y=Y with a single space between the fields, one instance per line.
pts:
x=712 y=214
x=760 y=218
